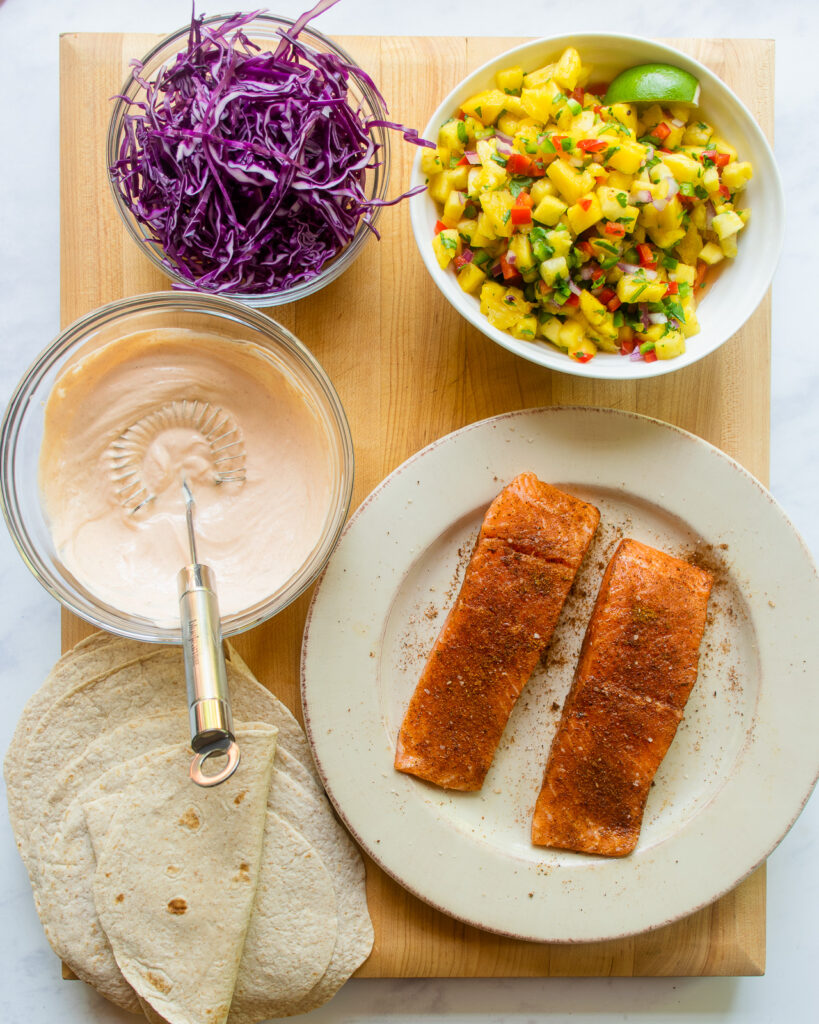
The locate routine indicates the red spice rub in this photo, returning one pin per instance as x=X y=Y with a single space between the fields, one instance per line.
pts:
x=637 y=666
x=530 y=547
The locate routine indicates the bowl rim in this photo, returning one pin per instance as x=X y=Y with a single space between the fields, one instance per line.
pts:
x=339 y=263
x=86 y=605
x=545 y=355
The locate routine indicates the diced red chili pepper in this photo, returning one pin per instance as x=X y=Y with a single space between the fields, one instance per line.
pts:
x=577 y=94
x=599 y=89
x=582 y=357
x=660 y=131
x=724 y=191
x=439 y=227
x=673 y=288
x=613 y=228
x=584 y=204
x=573 y=300
x=699 y=277
x=606 y=295
x=462 y=162
x=627 y=346
x=597 y=274
x=557 y=141
x=521 y=215
x=517 y=164
x=597 y=109
x=543 y=288
x=592 y=145
x=685 y=200
x=650 y=356
x=585 y=247
x=664 y=150
x=647 y=257
x=613 y=305
x=509 y=272
x=524 y=199
x=719 y=159
x=463 y=259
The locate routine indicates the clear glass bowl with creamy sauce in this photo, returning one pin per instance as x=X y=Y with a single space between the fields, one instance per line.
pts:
x=262 y=30
x=23 y=427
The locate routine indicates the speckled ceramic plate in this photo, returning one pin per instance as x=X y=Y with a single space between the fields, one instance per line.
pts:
x=744 y=759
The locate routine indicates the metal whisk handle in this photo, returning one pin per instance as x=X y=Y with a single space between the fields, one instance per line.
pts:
x=208 y=699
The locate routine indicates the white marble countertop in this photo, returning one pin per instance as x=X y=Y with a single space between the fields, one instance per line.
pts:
x=31 y=990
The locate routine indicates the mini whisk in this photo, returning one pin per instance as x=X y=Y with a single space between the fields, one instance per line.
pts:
x=211 y=722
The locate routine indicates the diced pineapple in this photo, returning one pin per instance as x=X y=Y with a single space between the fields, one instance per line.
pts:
x=525 y=328
x=585 y=213
x=736 y=175
x=729 y=246
x=610 y=205
x=550 y=329
x=453 y=135
x=510 y=79
x=583 y=124
x=454 y=208
x=554 y=269
x=690 y=326
x=671 y=216
x=618 y=180
x=625 y=113
x=670 y=345
x=560 y=240
x=637 y=288
x=433 y=161
x=650 y=117
x=540 y=76
x=486 y=179
x=571 y=334
x=699 y=217
x=471 y=277
x=568 y=68
x=440 y=185
x=682 y=167
x=508 y=123
x=725 y=224
x=539 y=102
x=721 y=146
x=447 y=245
x=598 y=316
x=570 y=183
x=541 y=188
x=498 y=208
x=628 y=157
x=604 y=248
x=485 y=106
x=698 y=134
x=491 y=294
x=682 y=274
x=711 y=254
x=522 y=249
x=665 y=238
x=710 y=180
x=485 y=230
x=581 y=346
x=689 y=248
x=549 y=210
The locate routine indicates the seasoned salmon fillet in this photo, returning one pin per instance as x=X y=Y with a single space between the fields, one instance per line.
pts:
x=636 y=670
x=529 y=549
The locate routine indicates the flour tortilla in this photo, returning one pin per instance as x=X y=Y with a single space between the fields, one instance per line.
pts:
x=292 y=931
x=314 y=818
x=152 y=684
x=176 y=879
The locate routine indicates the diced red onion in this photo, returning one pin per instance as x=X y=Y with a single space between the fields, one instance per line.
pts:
x=646 y=323
x=673 y=187
x=504 y=138
x=658 y=318
x=472 y=156
x=504 y=147
x=586 y=272
x=650 y=274
x=511 y=258
x=467 y=254
x=642 y=195
x=575 y=161
x=573 y=287
x=659 y=204
x=636 y=356
x=650 y=153
x=497 y=269
x=710 y=213
x=677 y=122
x=628 y=268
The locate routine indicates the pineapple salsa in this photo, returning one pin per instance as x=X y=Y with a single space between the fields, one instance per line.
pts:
x=589 y=226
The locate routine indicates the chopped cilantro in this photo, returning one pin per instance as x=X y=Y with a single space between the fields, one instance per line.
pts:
x=481 y=256
x=517 y=185
x=610 y=153
x=700 y=192
x=601 y=243
x=506 y=216
x=574 y=106
x=558 y=97
x=639 y=292
x=673 y=308
x=566 y=145
x=618 y=319
x=684 y=289
x=447 y=242
x=478 y=111
x=669 y=262
x=499 y=158
x=462 y=135
x=609 y=262
x=622 y=199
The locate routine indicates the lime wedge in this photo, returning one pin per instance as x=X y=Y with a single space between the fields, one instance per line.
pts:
x=654 y=83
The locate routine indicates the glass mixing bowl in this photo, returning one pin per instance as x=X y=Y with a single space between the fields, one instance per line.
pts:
x=22 y=432
x=262 y=30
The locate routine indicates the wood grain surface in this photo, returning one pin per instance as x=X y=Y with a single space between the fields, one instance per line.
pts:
x=408 y=370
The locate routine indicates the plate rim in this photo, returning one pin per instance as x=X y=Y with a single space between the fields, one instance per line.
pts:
x=369 y=847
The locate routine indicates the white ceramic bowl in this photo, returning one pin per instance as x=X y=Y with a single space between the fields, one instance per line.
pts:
x=739 y=289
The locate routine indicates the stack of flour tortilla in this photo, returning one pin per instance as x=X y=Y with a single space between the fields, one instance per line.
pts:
x=237 y=903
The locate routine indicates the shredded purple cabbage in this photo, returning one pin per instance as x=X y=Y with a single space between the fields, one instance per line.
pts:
x=248 y=167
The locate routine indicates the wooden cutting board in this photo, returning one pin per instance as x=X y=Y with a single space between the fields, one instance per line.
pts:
x=408 y=370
